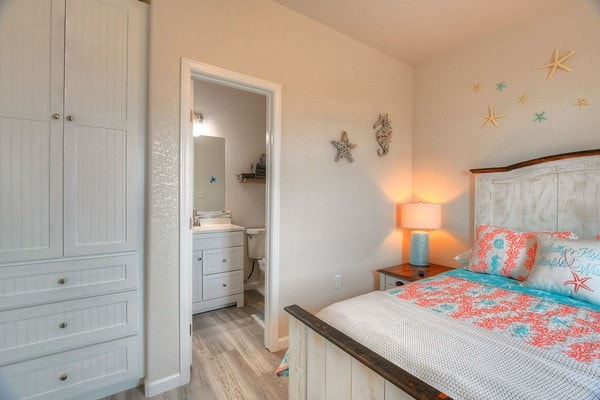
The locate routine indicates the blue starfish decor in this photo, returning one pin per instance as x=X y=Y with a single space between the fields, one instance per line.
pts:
x=540 y=116
x=212 y=179
x=500 y=86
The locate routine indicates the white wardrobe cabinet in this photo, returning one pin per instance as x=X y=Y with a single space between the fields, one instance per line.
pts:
x=72 y=121
x=70 y=115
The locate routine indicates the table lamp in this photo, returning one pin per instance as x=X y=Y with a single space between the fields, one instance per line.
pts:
x=420 y=216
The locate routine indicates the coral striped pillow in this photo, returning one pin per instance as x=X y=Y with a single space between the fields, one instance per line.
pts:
x=503 y=251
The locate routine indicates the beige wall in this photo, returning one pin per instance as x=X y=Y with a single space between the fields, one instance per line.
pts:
x=336 y=218
x=448 y=140
x=239 y=117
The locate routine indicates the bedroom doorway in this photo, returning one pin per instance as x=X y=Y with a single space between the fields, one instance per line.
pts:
x=190 y=71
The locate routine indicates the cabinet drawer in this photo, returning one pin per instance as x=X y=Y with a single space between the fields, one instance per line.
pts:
x=221 y=285
x=28 y=284
x=392 y=281
x=222 y=260
x=74 y=372
x=31 y=331
x=205 y=241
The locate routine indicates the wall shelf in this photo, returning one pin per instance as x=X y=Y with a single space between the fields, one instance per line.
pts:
x=252 y=180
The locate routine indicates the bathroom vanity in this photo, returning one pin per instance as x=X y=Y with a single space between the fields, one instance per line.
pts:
x=218 y=267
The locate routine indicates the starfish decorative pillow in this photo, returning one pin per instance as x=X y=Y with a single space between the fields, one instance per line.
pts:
x=567 y=267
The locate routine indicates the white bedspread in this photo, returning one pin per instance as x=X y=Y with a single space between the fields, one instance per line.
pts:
x=458 y=358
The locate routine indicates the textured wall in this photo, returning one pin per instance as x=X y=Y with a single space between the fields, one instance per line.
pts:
x=240 y=118
x=448 y=140
x=335 y=217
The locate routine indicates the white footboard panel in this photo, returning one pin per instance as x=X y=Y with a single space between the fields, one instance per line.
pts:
x=321 y=370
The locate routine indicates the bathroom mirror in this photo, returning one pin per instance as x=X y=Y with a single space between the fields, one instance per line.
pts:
x=209 y=173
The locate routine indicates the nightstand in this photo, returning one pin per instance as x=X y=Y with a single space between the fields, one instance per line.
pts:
x=402 y=274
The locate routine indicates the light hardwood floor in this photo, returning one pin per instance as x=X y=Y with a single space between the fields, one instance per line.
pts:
x=229 y=359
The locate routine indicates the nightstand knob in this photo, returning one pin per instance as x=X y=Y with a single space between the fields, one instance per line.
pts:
x=399 y=283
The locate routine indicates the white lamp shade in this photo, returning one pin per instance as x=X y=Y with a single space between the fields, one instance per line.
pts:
x=421 y=216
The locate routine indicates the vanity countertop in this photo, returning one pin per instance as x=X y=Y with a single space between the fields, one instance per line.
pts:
x=218 y=228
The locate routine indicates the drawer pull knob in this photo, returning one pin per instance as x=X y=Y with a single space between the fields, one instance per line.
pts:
x=199 y=258
x=62 y=281
x=70 y=118
x=399 y=283
x=55 y=116
x=224 y=260
x=224 y=285
x=63 y=377
x=62 y=325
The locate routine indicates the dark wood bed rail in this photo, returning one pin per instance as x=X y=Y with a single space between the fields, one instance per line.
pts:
x=386 y=369
x=584 y=153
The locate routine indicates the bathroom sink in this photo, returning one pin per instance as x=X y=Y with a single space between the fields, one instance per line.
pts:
x=218 y=228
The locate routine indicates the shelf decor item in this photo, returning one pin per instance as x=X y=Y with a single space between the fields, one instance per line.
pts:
x=420 y=216
x=383 y=134
x=344 y=147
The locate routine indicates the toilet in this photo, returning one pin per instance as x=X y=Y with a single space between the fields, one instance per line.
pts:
x=256 y=253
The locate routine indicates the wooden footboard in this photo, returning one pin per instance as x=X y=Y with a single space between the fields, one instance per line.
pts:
x=327 y=364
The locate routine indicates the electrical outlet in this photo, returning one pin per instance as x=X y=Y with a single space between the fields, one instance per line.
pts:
x=337 y=281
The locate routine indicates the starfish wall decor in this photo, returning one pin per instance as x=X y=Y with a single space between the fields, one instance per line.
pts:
x=344 y=148
x=540 y=116
x=558 y=63
x=581 y=103
x=491 y=117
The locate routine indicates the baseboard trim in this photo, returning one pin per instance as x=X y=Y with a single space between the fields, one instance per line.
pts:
x=152 y=388
x=283 y=343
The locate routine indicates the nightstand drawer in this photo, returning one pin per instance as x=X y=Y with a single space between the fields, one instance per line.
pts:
x=403 y=274
x=392 y=281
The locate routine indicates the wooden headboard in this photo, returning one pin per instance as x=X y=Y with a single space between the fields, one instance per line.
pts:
x=555 y=193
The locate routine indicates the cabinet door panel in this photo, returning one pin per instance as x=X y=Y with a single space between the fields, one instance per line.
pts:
x=197 y=276
x=102 y=104
x=31 y=140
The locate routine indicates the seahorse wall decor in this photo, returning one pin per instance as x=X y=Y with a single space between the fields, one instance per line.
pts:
x=383 y=134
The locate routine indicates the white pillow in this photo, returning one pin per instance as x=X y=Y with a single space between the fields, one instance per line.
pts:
x=567 y=267
x=463 y=258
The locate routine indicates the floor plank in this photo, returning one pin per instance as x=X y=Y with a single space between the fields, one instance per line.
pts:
x=229 y=359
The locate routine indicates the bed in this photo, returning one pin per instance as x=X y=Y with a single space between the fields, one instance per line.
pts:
x=502 y=328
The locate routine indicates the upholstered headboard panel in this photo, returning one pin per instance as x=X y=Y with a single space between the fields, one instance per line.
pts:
x=556 y=193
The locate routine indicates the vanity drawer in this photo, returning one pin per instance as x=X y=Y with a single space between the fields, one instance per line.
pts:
x=221 y=285
x=205 y=241
x=72 y=373
x=32 y=331
x=39 y=283
x=222 y=260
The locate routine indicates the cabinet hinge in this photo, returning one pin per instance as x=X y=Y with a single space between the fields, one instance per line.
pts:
x=190 y=329
x=191 y=222
x=191 y=116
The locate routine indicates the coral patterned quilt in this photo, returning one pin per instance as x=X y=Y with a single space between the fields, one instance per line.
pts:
x=476 y=336
x=540 y=321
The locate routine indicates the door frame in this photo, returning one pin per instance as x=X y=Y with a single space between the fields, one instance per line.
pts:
x=190 y=70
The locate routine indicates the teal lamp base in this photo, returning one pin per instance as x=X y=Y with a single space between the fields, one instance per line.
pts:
x=419 y=249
